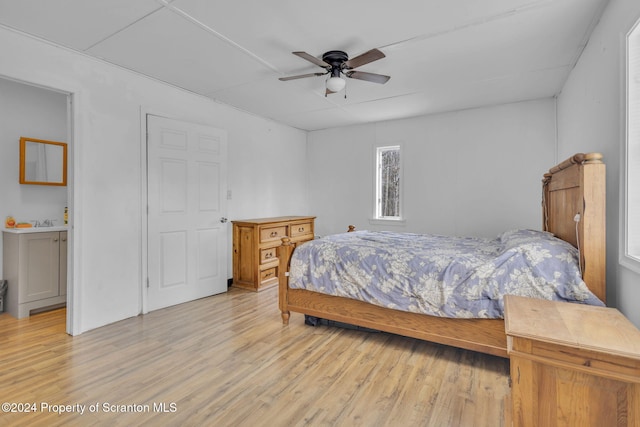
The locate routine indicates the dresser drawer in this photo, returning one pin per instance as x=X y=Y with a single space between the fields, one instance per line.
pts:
x=268 y=234
x=268 y=255
x=268 y=274
x=301 y=229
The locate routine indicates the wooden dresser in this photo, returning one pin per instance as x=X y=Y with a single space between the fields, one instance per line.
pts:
x=572 y=364
x=255 y=242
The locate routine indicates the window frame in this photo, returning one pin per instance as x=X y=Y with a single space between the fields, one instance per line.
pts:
x=626 y=259
x=376 y=218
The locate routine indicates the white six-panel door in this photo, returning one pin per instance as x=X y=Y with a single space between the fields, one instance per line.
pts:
x=186 y=224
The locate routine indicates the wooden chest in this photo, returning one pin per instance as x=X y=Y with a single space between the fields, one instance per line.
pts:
x=255 y=242
x=572 y=364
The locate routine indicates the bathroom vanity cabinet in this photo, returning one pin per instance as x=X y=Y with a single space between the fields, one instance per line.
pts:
x=35 y=267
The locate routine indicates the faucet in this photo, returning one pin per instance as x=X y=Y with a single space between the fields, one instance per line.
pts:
x=43 y=223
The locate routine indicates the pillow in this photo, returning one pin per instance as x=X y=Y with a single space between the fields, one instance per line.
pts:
x=513 y=238
x=551 y=262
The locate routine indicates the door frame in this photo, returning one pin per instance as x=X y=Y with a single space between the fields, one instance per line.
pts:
x=74 y=308
x=73 y=326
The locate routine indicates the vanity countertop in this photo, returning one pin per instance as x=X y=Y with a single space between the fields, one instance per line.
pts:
x=36 y=229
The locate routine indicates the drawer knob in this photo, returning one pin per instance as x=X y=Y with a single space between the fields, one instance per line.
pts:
x=301 y=229
x=274 y=234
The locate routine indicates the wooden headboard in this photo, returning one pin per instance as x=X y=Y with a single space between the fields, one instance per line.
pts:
x=574 y=205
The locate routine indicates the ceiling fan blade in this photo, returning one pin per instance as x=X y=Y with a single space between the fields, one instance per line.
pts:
x=365 y=58
x=301 y=76
x=369 y=77
x=313 y=59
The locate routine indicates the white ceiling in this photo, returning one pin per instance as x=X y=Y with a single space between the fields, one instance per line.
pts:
x=442 y=55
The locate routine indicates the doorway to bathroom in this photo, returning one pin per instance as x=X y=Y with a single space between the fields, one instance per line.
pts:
x=36 y=112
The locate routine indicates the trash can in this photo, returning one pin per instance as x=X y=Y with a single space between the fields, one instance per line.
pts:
x=3 y=292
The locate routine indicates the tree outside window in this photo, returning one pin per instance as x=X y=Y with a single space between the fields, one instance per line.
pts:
x=388 y=182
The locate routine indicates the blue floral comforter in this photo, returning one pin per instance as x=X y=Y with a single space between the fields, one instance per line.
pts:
x=462 y=277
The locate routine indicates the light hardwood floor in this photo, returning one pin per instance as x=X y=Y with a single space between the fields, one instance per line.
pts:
x=227 y=360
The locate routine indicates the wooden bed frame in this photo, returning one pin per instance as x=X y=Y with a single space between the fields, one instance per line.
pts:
x=574 y=187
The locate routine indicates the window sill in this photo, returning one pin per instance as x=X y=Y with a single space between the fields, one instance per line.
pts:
x=630 y=263
x=396 y=222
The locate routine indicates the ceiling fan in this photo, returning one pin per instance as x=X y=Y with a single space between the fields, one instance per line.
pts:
x=337 y=62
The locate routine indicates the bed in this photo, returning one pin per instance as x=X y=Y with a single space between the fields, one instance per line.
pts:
x=573 y=210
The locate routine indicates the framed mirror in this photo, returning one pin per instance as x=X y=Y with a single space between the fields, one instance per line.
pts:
x=43 y=162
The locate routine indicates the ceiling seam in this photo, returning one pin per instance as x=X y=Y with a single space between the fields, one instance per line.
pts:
x=220 y=36
x=484 y=20
x=121 y=29
x=585 y=41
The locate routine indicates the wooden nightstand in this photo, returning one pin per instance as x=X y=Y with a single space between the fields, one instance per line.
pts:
x=572 y=364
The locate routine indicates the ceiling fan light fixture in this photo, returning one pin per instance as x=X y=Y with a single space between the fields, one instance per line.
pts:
x=336 y=84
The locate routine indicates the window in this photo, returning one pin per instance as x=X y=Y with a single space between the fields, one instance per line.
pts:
x=388 y=183
x=631 y=199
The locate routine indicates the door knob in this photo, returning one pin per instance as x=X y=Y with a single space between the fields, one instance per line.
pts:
x=223 y=220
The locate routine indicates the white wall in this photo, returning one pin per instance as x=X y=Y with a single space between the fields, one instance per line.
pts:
x=590 y=118
x=471 y=172
x=106 y=214
x=36 y=113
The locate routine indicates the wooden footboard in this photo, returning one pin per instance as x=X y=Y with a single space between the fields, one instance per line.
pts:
x=284 y=256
